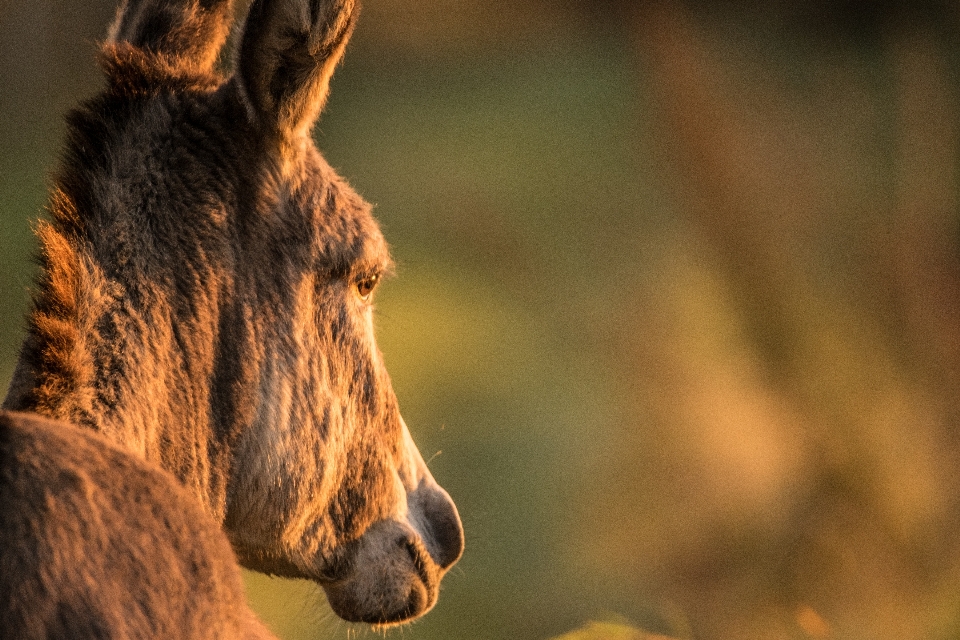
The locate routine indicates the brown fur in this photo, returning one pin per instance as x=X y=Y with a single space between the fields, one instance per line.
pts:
x=163 y=569
x=200 y=304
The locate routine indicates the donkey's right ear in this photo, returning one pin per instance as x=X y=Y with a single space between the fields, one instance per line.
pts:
x=288 y=51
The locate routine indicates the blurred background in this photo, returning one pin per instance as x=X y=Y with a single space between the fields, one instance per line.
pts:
x=677 y=314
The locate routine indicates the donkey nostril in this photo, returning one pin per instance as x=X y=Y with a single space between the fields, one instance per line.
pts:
x=450 y=541
x=445 y=534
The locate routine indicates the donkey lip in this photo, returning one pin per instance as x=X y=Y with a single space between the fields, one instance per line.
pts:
x=420 y=598
x=423 y=592
x=419 y=601
x=427 y=569
x=412 y=592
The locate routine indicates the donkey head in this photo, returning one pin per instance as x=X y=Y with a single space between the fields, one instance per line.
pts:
x=207 y=302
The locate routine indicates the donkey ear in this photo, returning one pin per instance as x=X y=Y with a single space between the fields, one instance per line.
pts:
x=288 y=51
x=187 y=33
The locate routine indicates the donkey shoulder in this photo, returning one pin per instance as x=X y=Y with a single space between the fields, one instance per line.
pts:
x=96 y=543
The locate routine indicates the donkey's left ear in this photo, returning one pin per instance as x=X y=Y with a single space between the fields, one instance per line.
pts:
x=288 y=51
x=187 y=34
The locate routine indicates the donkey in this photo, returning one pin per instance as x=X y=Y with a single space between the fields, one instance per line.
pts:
x=205 y=299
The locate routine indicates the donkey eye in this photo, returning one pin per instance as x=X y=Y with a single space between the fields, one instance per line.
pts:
x=365 y=286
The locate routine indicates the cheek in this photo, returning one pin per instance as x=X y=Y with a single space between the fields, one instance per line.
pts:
x=369 y=492
x=284 y=454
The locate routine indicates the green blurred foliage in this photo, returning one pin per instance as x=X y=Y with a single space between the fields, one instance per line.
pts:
x=677 y=308
x=608 y=631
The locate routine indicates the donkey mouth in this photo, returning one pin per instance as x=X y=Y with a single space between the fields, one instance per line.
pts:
x=393 y=579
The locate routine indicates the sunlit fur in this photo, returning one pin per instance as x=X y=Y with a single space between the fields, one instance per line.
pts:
x=198 y=305
x=97 y=543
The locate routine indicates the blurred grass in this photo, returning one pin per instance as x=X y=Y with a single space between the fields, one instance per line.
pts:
x=19 y=192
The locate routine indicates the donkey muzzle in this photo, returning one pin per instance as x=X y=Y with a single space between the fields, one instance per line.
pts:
x=396 y=566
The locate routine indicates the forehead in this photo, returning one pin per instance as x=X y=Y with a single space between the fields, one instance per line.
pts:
x=346 y=236
x=180 y=157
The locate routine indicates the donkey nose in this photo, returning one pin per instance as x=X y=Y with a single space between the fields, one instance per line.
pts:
x=435 y=517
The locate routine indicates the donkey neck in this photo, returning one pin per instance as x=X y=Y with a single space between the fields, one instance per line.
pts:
x=132 y=301
x=136 y=368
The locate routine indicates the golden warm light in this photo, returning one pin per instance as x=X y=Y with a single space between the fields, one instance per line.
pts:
x=811 y=623
x=677 y=295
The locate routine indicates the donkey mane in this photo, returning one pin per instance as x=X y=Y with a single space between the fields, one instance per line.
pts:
x=71 y=287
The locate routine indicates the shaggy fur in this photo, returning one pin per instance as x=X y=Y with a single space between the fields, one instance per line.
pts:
x=204 y=304
x=67 y=496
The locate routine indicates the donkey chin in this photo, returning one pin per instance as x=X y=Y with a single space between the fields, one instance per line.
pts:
x=392 y=573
